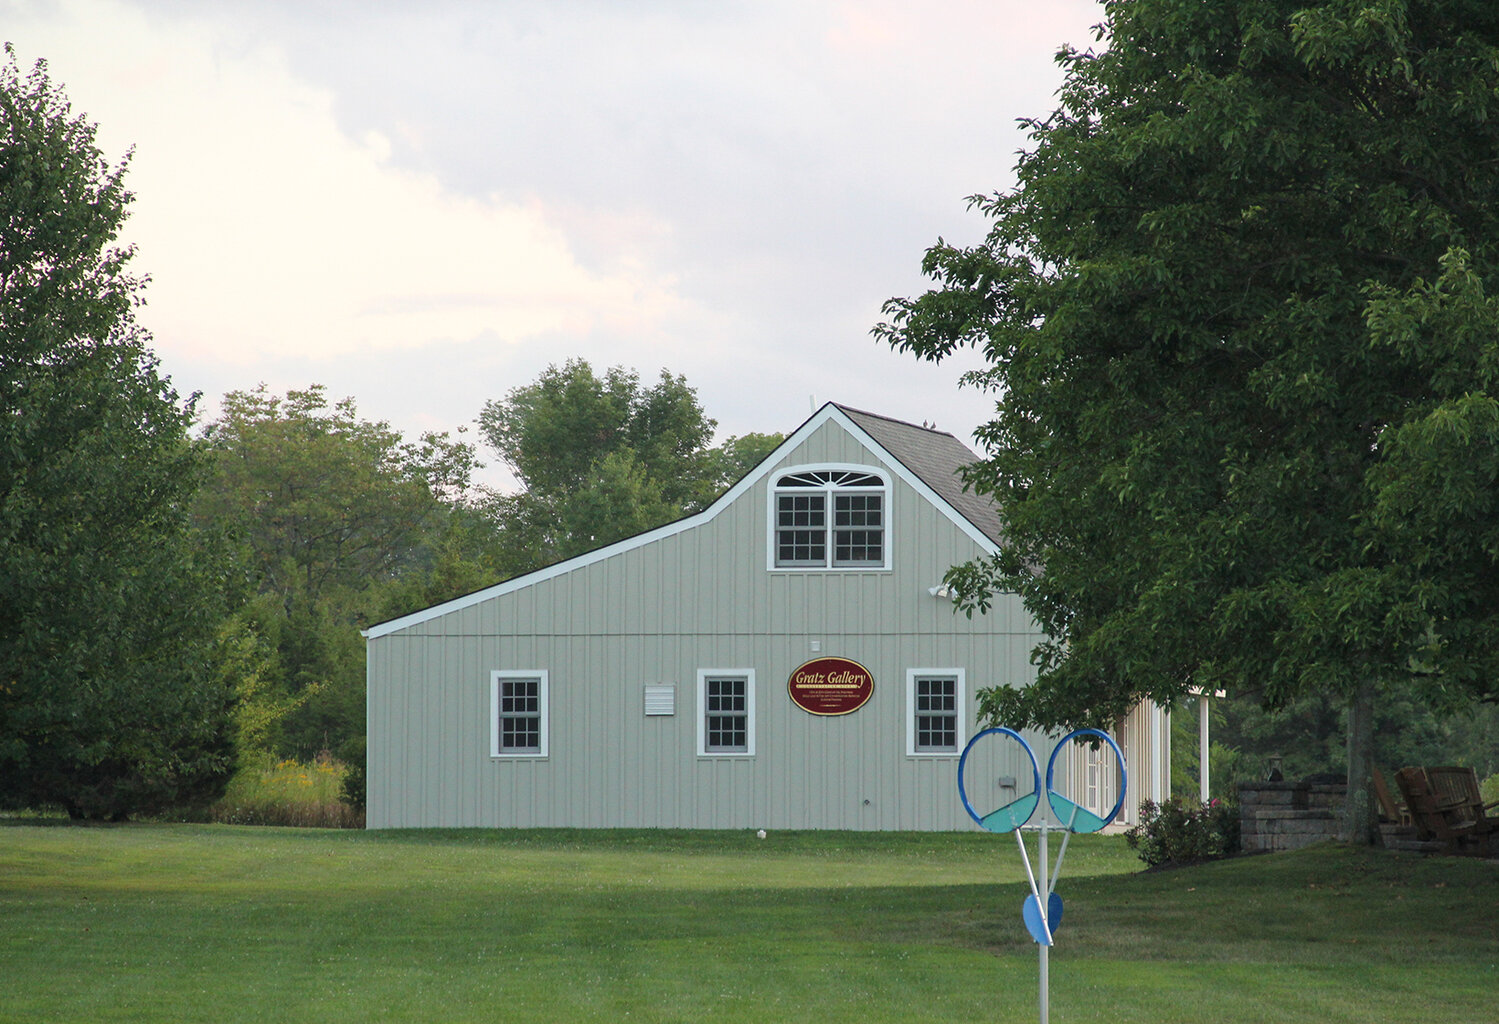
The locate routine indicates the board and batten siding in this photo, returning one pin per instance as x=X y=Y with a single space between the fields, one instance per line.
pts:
x=654 y=613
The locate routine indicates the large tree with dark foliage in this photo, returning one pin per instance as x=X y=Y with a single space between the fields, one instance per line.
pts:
x=109 y=704
x=333 y=517
x=602 y=458
x=1235 y=318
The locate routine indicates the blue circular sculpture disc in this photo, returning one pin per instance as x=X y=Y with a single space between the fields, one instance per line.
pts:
x=1014 y=813
x=1070 y=814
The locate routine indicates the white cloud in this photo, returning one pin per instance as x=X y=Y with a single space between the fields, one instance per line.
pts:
x=267 y=231
x=421 y=203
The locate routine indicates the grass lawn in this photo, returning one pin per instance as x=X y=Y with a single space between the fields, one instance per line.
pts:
x=228 y=923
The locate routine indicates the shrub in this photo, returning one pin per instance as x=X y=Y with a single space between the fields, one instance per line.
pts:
x=288 y=793
x=353 y=754
x=1185 y=831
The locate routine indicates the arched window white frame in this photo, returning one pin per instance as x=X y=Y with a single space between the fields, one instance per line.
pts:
x=829 y=517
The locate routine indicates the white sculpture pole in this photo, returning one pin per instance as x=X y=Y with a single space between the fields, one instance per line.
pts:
x=1043 y=902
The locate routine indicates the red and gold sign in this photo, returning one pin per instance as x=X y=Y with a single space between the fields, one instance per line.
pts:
x=830 y=686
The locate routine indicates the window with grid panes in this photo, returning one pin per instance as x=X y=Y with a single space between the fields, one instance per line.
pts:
x=935 y=701
x=807 y=536
x=936 y=714
x=519 y=707
x=801 y=529
x=727 y=711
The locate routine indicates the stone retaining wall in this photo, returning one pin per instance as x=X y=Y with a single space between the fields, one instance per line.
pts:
x=1288 y=815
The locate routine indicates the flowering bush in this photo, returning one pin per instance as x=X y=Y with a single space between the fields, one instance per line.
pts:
x=1185 y=832
x=288 y=793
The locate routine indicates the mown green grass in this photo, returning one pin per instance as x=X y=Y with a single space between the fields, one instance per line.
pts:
x=220 y=923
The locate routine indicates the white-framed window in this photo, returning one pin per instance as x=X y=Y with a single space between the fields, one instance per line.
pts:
x=726 y=712
x=830 y=517
x=936 y=702
x=518 y=713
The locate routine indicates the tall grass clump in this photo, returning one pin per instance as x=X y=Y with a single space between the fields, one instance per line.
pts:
x=288 y=792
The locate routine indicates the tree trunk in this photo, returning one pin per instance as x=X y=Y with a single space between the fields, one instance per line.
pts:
x=1360 y=819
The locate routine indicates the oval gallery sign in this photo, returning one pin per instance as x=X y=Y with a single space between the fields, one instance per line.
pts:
x=830 y=686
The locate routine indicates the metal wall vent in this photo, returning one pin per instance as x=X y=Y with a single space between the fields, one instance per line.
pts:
x=660 y=700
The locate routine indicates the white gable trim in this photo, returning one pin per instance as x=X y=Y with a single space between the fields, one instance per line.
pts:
x=822 y=416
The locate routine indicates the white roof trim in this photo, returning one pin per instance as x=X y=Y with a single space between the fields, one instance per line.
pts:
x=823 y=415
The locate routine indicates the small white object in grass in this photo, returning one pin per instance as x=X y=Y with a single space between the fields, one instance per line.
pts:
x=761 y=833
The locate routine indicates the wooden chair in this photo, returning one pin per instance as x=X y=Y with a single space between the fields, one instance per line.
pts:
x=1442 y=819
x=1389 y=810
x=1458 y=788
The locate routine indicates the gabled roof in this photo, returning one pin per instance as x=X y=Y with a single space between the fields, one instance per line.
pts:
x=928 y=460
x=937 y=458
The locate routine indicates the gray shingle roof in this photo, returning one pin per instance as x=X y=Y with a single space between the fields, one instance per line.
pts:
x=936 y=457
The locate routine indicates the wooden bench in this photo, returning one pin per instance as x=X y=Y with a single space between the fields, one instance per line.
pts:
x=1448 y=815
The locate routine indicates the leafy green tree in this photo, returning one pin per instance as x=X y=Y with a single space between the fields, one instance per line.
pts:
x=1204 y=430
x=109 y=702
x=248 y=666
x=329 y=514
x=554 y=433
x=733 y=459
x=602 y=458
x=462 y=555
x=1435 y=490
x=320 y=499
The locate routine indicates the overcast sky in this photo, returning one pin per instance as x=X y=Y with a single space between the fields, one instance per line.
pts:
x=422 y=204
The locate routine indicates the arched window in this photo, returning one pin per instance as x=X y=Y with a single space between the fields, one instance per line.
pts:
x=830 y=518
